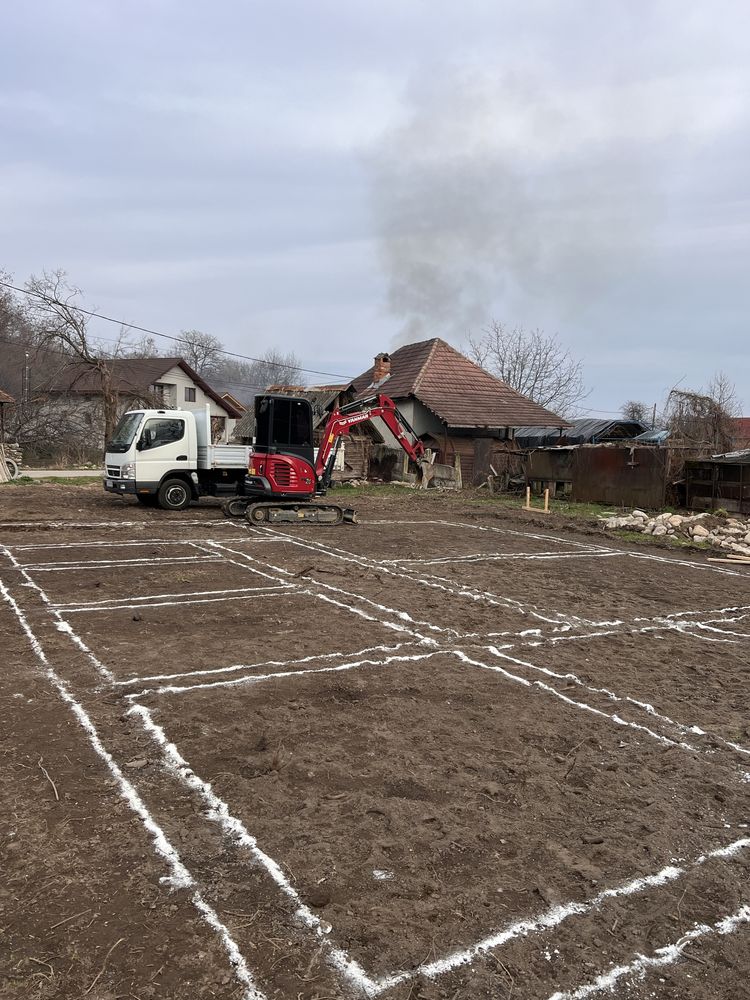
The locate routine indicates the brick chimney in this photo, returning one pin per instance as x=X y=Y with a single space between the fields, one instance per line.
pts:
x=382 y=367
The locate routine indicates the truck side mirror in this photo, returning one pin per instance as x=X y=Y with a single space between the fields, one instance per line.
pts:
x=139 y=444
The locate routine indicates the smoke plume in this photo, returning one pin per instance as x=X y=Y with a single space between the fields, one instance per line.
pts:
x=492 y=195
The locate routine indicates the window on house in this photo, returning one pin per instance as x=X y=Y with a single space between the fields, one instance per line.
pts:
x=189 y=394
x=165 y=394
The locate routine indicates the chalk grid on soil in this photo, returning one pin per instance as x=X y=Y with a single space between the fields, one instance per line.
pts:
x=415 y=633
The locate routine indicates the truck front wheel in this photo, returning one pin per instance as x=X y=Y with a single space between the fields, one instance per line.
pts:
x=174 y=494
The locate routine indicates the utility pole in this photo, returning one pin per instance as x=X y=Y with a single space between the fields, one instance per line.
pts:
x=26 y=383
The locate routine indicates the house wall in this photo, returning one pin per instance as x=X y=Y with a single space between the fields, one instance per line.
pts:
x=421 y=419
x=478 y=456
x=356 y=458
x=177 y=380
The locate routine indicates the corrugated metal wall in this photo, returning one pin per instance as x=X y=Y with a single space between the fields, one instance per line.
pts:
x=626 y=476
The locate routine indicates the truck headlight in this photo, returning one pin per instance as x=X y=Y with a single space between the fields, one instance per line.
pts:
x=128 y=471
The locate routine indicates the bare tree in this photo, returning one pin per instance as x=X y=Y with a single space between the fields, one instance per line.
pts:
x=532 y=362
x=724 y=393
x=277 y=368
x=245 y=379
x=144 y=347
x=633 y=410
x=202 y=351
x=703 y=420
x=15 y=326
x=63 y=327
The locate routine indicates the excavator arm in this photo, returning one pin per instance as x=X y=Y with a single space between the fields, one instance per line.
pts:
x=343 y=419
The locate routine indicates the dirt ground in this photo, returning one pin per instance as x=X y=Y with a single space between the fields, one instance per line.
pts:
x=450 y=752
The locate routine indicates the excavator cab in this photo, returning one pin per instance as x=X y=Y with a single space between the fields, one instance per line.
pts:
x=282 y=479
x=284 y=426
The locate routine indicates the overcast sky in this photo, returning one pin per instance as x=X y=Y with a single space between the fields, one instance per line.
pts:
x=337 y=178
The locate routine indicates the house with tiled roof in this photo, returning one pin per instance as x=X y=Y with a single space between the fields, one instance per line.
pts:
x=75 y=389
x=456 y=407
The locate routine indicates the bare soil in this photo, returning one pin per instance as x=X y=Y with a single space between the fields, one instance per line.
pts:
x=400 y=741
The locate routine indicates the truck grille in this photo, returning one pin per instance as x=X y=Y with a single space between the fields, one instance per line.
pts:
x=113 y=471
x=283 y=474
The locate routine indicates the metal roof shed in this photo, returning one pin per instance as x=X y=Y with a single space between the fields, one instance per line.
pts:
x=583 y=431
x=719 y=482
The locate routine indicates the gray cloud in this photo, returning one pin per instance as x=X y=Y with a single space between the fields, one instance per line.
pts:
x=534 y=198
x=324 y=177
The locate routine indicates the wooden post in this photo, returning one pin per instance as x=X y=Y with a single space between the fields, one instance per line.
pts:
x=546 y=501
x=457 y=467
x=528 y=498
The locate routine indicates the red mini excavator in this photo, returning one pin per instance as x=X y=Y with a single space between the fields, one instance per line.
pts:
x=285 y=476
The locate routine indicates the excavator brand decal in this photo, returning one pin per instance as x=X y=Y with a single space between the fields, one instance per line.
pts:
x=358 y=418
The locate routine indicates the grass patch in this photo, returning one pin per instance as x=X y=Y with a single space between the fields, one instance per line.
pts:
x=60 y=480
x=480 y=498
x=675 y=541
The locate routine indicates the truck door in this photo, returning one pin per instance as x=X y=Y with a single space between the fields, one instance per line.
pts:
x=162 y=447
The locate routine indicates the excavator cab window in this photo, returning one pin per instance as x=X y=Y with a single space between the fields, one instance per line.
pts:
x=283 y=425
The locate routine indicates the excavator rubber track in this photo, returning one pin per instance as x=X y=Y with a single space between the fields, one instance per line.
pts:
x=235 y=506
x=295 y=513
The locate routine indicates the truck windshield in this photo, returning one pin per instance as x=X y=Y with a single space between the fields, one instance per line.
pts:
x=124 y=433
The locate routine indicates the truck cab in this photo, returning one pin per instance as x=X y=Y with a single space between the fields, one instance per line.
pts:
x=166 y=458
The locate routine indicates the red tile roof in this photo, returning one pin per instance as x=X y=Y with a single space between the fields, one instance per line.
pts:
x=459 y=392
x=742 y=431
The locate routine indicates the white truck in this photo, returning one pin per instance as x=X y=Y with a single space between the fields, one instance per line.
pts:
x=165 y=458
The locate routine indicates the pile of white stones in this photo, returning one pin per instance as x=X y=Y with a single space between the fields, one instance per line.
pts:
x=731 y=533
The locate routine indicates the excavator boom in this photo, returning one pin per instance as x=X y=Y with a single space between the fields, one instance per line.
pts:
x=360 y=411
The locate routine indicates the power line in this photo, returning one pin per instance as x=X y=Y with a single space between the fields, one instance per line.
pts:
x=615 y=413
x=253 y=386
x=167 y=336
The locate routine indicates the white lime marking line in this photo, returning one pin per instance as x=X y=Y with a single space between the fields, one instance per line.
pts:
x=666 y=955
x=179 y=877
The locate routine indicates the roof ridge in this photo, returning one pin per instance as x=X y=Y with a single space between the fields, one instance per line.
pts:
x=426 y=363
